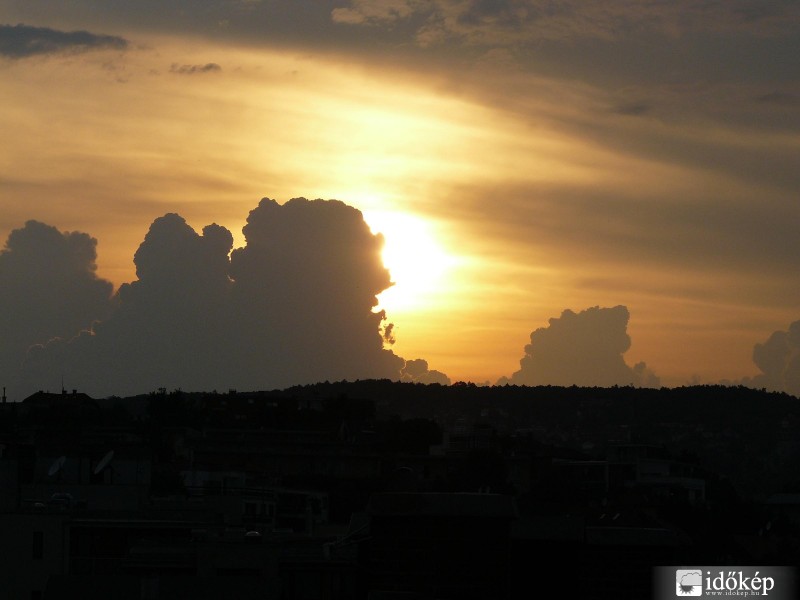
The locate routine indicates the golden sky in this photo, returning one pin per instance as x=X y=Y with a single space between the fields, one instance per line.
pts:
x=518 y=162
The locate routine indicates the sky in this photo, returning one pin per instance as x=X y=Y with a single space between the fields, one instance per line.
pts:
x=610 y=183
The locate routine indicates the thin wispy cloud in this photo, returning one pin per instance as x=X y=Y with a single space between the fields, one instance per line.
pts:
x=21 y=41
x=194 y=69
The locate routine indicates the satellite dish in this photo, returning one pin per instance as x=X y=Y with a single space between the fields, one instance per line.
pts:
x=56 y=466
x=104 y=462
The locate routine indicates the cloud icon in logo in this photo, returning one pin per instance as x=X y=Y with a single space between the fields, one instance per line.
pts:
x=690 y=583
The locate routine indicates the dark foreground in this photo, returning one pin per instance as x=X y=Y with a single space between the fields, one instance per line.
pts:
x=378 y=490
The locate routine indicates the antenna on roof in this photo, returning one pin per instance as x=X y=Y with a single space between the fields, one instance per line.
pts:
x=104 y=462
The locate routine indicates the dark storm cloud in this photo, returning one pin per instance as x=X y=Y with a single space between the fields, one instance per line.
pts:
x=295 y=305
x=778 y=359
x=21 y=41
x=48 y=289
x=601 y=42
x=607 y=44
x=582 y=349
x=193 y=69
x=515 y=21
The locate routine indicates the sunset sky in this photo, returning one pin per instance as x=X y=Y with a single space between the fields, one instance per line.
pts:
x=521 y=157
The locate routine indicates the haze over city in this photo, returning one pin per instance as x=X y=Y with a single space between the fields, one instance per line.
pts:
x=598 y=195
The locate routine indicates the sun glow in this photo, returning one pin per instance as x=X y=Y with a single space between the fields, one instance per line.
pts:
x=417 y=261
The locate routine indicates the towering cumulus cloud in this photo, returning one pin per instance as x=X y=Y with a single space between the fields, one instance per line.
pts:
x=583 y=349
x=48 y=289
x=295 y=305
x=305 y=287
x=778 y=358
x=166 y=326
x=417 y=371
